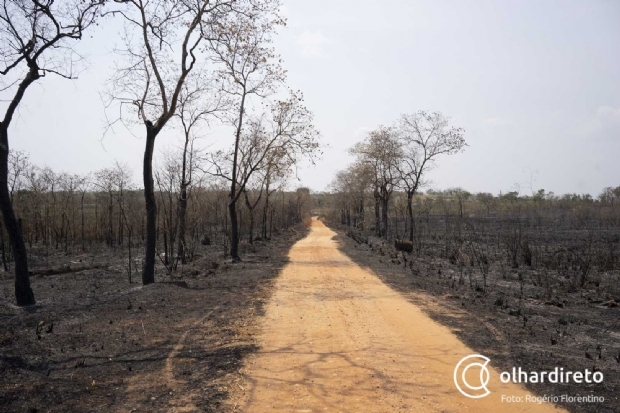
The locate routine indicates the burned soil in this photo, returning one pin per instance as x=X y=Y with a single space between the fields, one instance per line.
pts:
x=97 y=343
x=514 y=322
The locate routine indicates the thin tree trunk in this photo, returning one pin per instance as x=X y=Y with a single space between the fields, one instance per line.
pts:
x=385 y=201
x=377 y=215
x=264 y=223
x=129 y=251
x=410 y=212
x=66 y=218
x=110 y=223
x=82 y=207
x=251 y=208
x=171 y=230
x=97 y=233
x=234 y=231
x=265 y=210
x=251 y=238
x=182 y=212
x=232 y=205
x=121 y=230
x=271 y=223
x=361 y=213
x=166 y=255
x=182 y=203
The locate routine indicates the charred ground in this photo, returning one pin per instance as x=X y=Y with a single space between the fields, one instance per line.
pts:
x=528 y=316
x=95 y=342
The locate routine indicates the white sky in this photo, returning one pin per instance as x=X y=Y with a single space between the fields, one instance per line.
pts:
x=536 y=85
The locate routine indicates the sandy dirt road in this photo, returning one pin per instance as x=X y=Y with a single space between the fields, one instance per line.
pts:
x=336 y=339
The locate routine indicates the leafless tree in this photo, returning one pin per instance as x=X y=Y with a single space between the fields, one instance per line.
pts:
x=276 y=176
x=158 y=60
x=242 y=47
x=424 y=136
x=18 y=167
x=352 y=185
x=167 y=177
x=36 y=39
x=342 y=186
x=199 y=101
x=286 y=133
x=253 y=193
x=382 y=152
x=113 y=182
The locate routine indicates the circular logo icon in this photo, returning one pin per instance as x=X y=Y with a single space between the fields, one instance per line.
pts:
x=471 y=376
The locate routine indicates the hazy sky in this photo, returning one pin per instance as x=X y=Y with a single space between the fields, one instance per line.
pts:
x=535 y=84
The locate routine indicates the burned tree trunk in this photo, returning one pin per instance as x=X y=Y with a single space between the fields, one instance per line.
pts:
x=23 y=292
x=148 y=271
x=251 y=207
x=182 y=214
x=4 y=263
x=265 y=211
x=377 y=214
x=384 y=212
x=384 y=195
x=82 y=212
x=410 y=212
x=234 y=231
x=234 y=194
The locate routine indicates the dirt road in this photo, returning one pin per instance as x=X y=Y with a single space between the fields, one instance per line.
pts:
x=336 y=339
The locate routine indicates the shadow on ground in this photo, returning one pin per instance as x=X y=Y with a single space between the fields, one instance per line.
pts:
x=509 y=338
x=95 y=343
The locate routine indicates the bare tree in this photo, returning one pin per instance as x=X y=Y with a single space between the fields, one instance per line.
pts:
x=167 y=177
x=285 y=134
x=361 y=182
x=241 y=45
x=423 y=137
x=113 y=182
x=84 y=185
x=342 y=186
x=159 y=60
x=197 y=104
x=276 y=175
x=18 y=167
x=352 y=185
x=253 y=195
x=36 y=38
x=381 y=151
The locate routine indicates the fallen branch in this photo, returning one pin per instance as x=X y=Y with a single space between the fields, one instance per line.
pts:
x=66 y=269
x=359 y=238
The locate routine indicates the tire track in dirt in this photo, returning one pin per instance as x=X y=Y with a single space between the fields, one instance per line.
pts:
x=181 y=401
x=337 y=339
